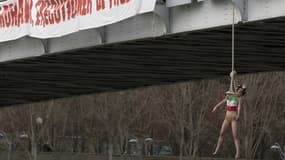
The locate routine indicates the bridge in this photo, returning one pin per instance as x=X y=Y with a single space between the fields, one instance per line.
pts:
x=174 y=41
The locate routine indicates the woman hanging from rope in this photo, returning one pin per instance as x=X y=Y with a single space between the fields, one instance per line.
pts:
x=233 y=100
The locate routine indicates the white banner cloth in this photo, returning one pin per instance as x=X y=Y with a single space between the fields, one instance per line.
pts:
x=55 y=18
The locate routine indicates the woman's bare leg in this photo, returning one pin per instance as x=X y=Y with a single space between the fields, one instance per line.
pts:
x=235 y=135
x=221 y=137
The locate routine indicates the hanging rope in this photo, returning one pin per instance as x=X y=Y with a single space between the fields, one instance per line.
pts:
x=233 y=72
x=233 y=40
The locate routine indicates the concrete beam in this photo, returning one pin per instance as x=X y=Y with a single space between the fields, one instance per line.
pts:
x=242 y=5
x=163 y=12
x=202 y=15
x=169 y=17
x=81 y=39
x=141 y=26
x=175 y=3
x=265 y=9
x=22 y=48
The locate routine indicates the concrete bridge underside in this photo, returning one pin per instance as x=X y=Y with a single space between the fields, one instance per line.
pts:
x=173 y=44
x=151 y=61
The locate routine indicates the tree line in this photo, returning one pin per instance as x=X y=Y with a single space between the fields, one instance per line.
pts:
x=177 y=115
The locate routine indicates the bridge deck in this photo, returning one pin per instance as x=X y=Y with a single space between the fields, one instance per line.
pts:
x=152 y=61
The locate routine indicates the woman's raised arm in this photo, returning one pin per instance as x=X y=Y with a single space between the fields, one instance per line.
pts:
x=219 y=104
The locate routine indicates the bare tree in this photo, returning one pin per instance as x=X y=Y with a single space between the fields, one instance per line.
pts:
x=259 y=109
x=22 y=119
x=183 y=108
x=200 y=97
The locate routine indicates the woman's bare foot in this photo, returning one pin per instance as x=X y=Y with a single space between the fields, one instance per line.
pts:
x=237 y=156
x=215 y=153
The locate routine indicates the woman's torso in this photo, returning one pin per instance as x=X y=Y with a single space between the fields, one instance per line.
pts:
x=232 y=102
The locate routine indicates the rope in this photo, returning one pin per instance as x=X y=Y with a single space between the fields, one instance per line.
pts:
x=233 y=72
x=233 y=40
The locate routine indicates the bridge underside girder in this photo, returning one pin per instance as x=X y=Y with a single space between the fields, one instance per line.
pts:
x=151 y=61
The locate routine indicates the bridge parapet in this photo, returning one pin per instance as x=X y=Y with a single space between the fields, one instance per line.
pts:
x=168 y=17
